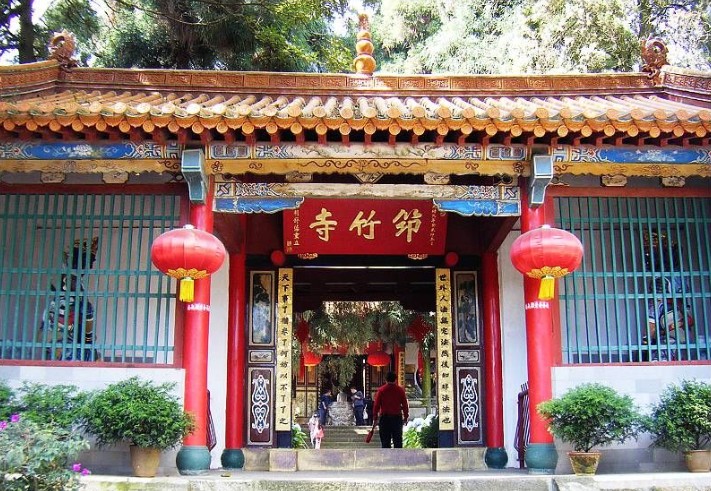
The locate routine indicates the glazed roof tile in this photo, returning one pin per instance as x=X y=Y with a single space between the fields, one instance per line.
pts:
x=42 y=96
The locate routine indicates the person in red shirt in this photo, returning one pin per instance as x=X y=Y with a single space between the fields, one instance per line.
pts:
x=390 y=410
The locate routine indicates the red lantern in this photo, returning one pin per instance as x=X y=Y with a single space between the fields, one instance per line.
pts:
x=546 y=253
x=302 y=331
x=419 y=329
x=187 y=254
x=378 y=359
x=311 y=359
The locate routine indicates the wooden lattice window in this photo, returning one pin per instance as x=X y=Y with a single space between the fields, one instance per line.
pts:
x=643 y=290
x=76 y=281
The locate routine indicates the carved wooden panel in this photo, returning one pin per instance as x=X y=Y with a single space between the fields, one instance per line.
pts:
x=260 y=416
x=469 y=403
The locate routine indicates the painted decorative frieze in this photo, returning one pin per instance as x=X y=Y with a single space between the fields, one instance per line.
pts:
x=20 y=150
x=236 y=197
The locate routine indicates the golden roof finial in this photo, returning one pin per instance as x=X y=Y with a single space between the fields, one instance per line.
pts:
x=364 y=62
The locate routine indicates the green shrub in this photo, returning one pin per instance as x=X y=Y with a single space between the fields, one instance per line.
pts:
x=139 y=412
x=299 y=439
x=36 y=457
x=421 y=433
x=681 y=420
x=59 y=405
x=591 y=415
x=7 y=396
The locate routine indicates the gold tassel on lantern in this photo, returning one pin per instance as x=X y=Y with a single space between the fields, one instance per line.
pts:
x=547 y=288
x=547 y=275
x=187 y=290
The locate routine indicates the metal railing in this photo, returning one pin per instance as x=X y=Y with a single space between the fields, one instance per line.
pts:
x=523 y=426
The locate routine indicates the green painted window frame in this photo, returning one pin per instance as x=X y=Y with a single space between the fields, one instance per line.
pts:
x=76 y=279
x=643 y=290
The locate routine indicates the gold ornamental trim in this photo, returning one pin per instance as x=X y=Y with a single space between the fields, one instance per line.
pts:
x=180 y=273
x=548 y=271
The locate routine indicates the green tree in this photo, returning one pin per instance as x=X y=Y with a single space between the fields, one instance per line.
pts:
x=536 y=36
x=286 y=35
x=18 y=40
x=579 y=35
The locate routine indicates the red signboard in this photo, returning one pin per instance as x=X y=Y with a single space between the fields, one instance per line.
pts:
x=338 y=226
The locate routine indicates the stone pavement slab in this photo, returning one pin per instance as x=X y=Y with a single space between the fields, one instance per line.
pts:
x=375 y=480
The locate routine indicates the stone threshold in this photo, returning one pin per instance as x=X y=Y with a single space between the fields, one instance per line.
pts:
x=360 y=459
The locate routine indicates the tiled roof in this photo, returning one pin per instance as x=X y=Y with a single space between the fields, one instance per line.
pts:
x=631 y=115
x=43 y=98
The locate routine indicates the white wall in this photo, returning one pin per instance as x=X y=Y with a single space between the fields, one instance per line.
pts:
x=217 y=357
x=513 y=333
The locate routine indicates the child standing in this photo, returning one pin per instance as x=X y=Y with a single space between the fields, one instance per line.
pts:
x=319 y=436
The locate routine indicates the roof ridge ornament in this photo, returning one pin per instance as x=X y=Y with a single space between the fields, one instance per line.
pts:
x=61 y=47
x=364 y=62
x=654 y=56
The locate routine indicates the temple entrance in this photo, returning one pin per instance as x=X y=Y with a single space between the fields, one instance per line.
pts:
x=441 y=289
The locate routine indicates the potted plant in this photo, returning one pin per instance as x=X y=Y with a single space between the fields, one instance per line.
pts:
x=588 y=416
x=681 y=421
x=146 y=415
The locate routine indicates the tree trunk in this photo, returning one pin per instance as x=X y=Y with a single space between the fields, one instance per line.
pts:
x=26 y=41
x=426 y=377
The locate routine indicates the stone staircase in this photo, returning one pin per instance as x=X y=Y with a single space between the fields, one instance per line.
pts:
x=348 y=437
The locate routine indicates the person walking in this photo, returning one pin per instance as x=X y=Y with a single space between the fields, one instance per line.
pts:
x=390 y=410
x=358 y=406
x=324 y=403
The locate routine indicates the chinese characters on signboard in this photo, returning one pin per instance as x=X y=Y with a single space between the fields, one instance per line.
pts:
x=365 y=227
x=285 y=286
x=400 y=368
x=445 y=390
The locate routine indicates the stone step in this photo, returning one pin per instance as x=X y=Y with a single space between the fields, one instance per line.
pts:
x=372 y=458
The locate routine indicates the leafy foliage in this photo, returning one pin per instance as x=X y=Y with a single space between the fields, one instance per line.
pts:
x=591 y=415
x=35 y=456
x=299 y=438
x=6 y=397
x=421 y=433
x=140 y=412
x=355 y=324
x=58 y=405
x=342 y=369
x=532 y=36
x=681 y=420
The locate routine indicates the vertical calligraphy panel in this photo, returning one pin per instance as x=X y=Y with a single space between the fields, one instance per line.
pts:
x=445 y=391
x=285 y=288
x=401 y=368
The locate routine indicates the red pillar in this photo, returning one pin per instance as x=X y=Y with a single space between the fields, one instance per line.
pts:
x=541 y=456
x=233 y=457
x=496 y=456
x=194 y=457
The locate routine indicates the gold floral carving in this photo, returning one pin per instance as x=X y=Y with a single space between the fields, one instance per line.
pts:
x=179 y=273
x=555 y=272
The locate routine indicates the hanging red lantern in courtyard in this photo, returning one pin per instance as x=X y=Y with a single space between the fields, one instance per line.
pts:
x=311 y=359
x=187 y=254
x=546 y=253
x=378 y=359
x=302 y=331
x=419 y=329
